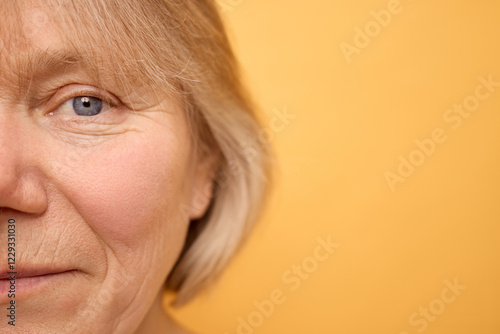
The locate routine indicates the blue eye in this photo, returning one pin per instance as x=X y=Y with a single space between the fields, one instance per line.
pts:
x=87 y=105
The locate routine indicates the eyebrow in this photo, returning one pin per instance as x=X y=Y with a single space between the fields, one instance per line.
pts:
x=43 y=63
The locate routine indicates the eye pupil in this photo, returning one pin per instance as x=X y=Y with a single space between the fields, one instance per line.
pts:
x=86 y=102
x=87 y=106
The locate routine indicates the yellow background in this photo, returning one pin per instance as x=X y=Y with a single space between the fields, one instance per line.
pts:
x=352 y=122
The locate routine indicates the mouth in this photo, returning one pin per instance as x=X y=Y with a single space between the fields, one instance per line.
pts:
x=27 y=281
x=31 y=273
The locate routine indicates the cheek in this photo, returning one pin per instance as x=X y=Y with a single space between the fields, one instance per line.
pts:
x=129 y=191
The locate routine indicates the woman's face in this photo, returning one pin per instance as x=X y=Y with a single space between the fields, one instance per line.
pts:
x=98 y=192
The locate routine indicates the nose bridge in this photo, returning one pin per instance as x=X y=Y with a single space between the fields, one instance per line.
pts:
x=10 y=150
x=10 y=141
x=20 y=188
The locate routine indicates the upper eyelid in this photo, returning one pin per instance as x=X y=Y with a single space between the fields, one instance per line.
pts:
x=96 y=93
x=65 y=96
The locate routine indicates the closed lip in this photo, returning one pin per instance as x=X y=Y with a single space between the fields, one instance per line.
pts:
x=32 y=281
x=21 y=272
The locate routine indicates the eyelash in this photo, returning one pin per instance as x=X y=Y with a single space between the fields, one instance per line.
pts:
x=72 y=94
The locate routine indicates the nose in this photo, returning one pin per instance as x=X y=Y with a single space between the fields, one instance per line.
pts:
x=21 y=188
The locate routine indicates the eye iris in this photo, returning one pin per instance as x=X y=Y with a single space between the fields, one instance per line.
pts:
x=87 y=106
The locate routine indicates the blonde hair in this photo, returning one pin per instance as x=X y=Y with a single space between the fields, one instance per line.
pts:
x=181 y=48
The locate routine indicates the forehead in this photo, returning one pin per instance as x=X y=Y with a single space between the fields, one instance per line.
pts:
x=47 y=37
x=29 y=25
x=25 y=31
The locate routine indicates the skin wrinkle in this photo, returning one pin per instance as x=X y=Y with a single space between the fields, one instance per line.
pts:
x=40 y=65
x=100 y=133
x=142 y=287
x=118 y=186
x=130 y=307
x=108 y=255
x=105 y=247
x=38 y=249
x=57 y=246
x=107 y=251
x=42 y=240
x=62 y=130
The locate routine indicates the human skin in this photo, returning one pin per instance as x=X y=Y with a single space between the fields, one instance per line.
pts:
x=97 y=199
